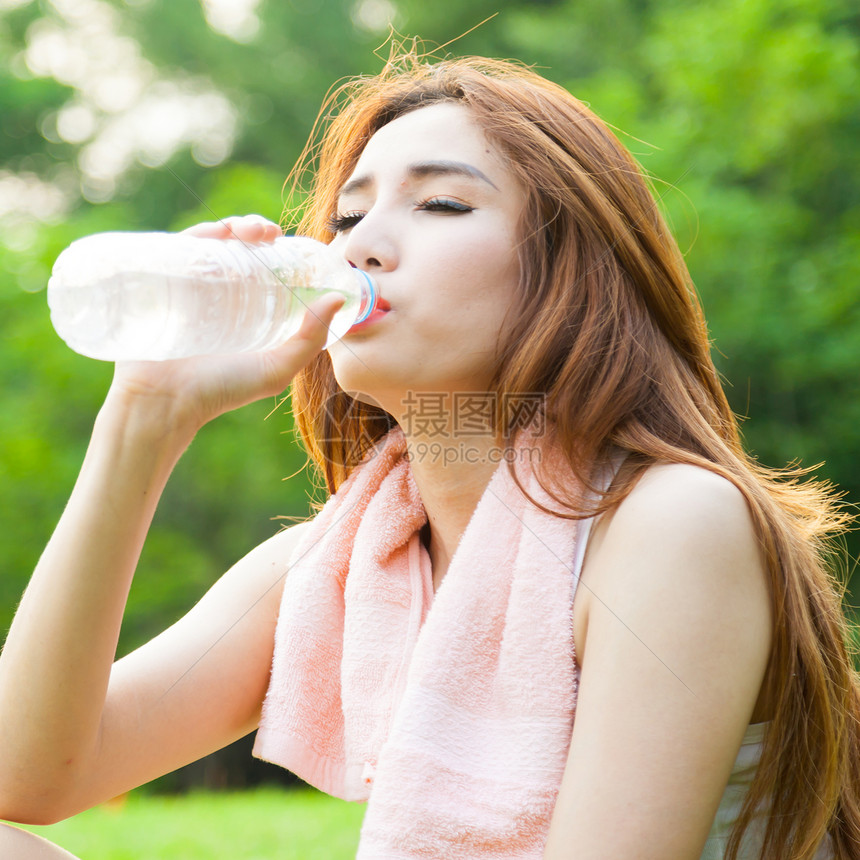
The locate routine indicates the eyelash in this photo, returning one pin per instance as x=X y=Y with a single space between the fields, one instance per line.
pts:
x=339 y=223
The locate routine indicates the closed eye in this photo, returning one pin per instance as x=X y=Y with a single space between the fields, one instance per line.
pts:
x=445 y=204
x=339 y=223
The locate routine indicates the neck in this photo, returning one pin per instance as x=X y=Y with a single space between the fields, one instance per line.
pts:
x=451 y=475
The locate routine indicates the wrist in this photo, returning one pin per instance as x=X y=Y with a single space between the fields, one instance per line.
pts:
x=154 y=422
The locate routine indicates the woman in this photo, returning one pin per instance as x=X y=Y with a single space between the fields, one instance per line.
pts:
x=531 y=416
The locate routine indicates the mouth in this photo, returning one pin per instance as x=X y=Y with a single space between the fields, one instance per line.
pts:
x=382 y=308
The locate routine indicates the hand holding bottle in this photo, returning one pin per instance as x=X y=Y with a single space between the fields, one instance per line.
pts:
x=198 y=388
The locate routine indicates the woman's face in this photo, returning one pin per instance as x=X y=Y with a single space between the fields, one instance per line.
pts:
x=431 y=212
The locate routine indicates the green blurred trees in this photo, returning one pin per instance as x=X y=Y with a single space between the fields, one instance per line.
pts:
x=746 y=112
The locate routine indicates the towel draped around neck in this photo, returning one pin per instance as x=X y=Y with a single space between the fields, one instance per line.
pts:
x=450 y=714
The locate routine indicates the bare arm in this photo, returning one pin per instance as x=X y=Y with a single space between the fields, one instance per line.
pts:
x=673 y=653
x=73 y=731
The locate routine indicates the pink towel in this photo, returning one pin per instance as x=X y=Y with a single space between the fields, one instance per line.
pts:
x=450 y=714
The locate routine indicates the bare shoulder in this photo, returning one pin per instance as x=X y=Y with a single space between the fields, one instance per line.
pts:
x=671 y=498
x=260 y=575
x=683 y=538
x=686 y=514
x=279 y=548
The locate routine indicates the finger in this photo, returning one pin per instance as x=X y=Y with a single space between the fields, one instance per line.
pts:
x=318 y=317
x=287 y=360
x=247 y=228
x=313 y=331
x=257 y=223
x=272 y=231
x=209 y=230
x=252 y=228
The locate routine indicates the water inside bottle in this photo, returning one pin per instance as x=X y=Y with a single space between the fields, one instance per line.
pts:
x=149 y=317
x=115 y=321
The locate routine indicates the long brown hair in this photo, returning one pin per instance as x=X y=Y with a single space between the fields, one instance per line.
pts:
x=609 y=329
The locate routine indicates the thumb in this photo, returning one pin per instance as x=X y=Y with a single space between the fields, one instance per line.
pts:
x=318 y=317
x=289 y=358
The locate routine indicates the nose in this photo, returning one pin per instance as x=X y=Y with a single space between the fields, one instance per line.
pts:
x=371 y=244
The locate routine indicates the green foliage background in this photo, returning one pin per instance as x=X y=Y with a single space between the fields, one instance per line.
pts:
x=248 y=825
x=744 y=111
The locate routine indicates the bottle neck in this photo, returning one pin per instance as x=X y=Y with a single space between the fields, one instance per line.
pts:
x=369 y=295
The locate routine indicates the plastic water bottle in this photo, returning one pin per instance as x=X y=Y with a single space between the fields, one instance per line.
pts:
x=155 y=296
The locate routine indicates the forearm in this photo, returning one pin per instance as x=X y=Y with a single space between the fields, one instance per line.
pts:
x=55 y=666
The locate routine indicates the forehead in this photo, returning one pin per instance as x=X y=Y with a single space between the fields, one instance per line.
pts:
x=446 y=131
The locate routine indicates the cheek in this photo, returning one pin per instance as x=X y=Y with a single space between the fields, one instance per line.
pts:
x=492 y=274
x=467 y=312
x=483 y=261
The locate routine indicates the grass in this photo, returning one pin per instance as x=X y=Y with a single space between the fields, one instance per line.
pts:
x=263 y=824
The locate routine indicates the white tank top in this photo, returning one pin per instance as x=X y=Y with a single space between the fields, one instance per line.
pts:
x=743 y=773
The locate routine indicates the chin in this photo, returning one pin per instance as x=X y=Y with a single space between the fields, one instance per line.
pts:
x=359 y=365
x=352 y=375
x=361 y=383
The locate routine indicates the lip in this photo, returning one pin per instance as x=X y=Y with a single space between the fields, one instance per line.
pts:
x=382 y=309
x=377 y=315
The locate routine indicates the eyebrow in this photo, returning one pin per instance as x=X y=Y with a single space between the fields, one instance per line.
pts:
x=422 y=169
